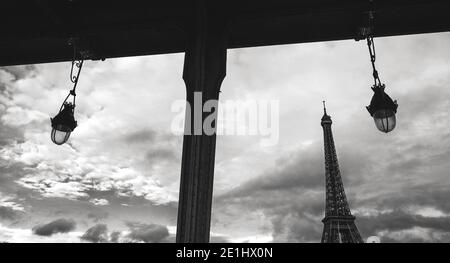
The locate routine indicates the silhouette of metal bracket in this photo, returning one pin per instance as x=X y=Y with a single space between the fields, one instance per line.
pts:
x=84 y=48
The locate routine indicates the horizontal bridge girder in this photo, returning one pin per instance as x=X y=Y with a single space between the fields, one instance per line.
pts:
x=37 y=31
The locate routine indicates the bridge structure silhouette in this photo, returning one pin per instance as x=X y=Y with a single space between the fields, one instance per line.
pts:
x=39 y=31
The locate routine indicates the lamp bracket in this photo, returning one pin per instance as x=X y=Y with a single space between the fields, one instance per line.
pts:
x=84 y=48
x=363 y=32
x=366 y=27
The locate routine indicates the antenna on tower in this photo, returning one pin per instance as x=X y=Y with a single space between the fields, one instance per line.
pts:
x=324 y=108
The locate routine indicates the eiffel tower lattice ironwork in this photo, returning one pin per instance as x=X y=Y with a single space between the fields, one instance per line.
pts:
x=339 y=223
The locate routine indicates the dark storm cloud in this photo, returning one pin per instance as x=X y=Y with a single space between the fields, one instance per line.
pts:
x=302 y=170
x=401 y=220
x=160 y=154
x=148 y=233
x=114 y=238
x=298 y=171
x=98 y=215
x=142 y=136
x=96 y=234
x=430 y=102
x=218 y=239
x=8 y=213
x=148 y=135
x=58 y=226
x=9 y=135
x=426 y=195
x=295 y=226
x=291 y=223
x=400 y=214
x=160 y=144
x=431 y=195
x=9 y=172
x=407 y=239
x=290 y=195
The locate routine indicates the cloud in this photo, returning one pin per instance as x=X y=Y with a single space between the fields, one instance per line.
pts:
x=297 y=171
x=8 y=213
x=114 y=237
x=160 y=155
x=9 y=209
x=58 y=226
x=96 y=234
x=414 y=235
x=17 y=116
x=148 y=233
x=99 y=201
x=98 y=215
x=137 y=232
x=24 y=235
x=74 y=177
x=141 y=136
x=218 y=239
x=9 y=135
x=7 y=201
x=400 y=220
x=50 y=184
x=20 y=72
x=69 y=174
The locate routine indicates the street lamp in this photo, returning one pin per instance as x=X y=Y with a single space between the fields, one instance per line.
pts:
x=382 y=108
x=64 y=122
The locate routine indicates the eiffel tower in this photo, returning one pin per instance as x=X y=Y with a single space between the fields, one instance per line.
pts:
x=339 y=223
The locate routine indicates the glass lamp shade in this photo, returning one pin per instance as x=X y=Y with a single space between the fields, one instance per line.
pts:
x=63 y=124
x=384 y=120
x=60 y=134
x=383 y=109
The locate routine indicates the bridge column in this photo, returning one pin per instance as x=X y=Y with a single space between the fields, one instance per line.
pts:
x=204 y=71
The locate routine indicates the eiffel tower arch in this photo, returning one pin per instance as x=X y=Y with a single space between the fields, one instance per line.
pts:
x=339 y=223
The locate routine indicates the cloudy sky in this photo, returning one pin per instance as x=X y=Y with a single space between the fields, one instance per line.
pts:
x=117 y=179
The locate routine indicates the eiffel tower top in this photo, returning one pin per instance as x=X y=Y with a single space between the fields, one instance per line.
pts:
x=326 y=118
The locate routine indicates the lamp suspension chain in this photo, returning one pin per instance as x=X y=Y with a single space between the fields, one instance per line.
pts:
x=371 y=45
